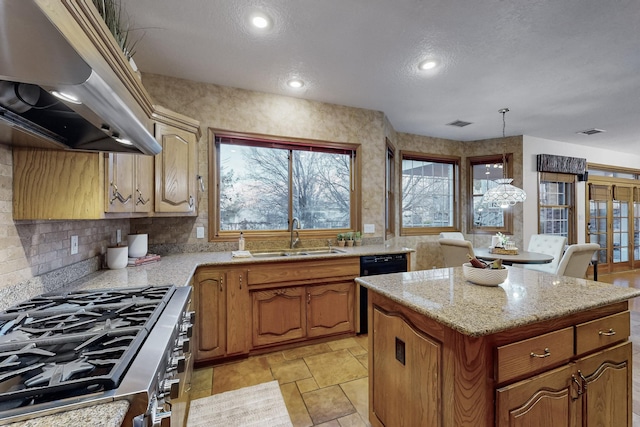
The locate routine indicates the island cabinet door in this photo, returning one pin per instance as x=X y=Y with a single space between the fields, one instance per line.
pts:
x=407 y=377
x=330 y=309
x=550 y=399
x=606 y=382
x=278 y=315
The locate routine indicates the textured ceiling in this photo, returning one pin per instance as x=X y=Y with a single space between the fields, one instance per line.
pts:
x=560 y=66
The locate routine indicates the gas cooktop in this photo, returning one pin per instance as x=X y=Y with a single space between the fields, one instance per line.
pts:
x=59 y=346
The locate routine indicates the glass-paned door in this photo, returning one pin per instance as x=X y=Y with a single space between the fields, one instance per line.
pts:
x=621 y=228
x=597 y=223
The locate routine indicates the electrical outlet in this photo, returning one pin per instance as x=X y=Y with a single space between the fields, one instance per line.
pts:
x=74 y=245
x=118 y=236
x=369 y=228
x=200 y=232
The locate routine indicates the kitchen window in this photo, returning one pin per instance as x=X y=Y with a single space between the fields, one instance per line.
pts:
x=429 y=193
x=556 y=205
x=487 y=218
x=262 y=184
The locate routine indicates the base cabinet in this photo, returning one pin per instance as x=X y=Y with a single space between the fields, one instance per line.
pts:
x=222 y=306
x=424 y=373
x=278 y=315
x=406 y=386
x=593 y=391
x=287 y=314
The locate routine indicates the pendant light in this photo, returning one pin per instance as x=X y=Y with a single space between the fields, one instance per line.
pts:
x=504 y=194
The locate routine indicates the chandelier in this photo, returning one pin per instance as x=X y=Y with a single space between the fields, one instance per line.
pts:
x=503 y=193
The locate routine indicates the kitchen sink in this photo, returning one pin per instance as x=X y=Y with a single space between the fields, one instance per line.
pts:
x=296 y=252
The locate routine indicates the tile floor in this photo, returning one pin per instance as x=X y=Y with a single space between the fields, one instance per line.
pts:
x=326 y=384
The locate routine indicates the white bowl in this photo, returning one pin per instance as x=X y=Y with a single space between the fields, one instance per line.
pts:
x=484 y=276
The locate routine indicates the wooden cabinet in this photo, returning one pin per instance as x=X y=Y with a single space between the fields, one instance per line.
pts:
x=176 y=165
x=573 y=371
x=222 y=309
x=330 y=309
x=304 y=299
x=593 y=391
x=52 y=185
x=407 y=381
x=278 y=315
x=130 y=183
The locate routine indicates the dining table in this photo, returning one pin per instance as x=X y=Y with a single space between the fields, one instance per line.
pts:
x=522 y=257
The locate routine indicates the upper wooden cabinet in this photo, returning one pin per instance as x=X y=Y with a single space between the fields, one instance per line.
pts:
x=176 y=166
x=129 y=183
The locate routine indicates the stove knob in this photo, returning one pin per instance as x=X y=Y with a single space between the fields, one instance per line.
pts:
x=186 y=330
x=189 y=317
x=178 y=364
x=171 y=388
x=183 y=345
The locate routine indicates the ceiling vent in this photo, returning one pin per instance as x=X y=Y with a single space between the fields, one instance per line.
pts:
x=459 y=123
x=591 y=131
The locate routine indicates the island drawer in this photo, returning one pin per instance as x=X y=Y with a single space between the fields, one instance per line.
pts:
x=602 y=332
x=534 y=354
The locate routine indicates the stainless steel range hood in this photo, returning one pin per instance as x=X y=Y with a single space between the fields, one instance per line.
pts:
x=36 y=59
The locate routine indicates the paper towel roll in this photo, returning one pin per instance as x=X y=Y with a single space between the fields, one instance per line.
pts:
x=138 y=245
x=117 y=257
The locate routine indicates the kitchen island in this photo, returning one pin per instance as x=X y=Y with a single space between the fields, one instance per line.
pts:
x=538 y=350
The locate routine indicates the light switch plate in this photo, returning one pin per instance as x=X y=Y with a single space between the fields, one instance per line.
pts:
x=200 y=232
x=369 y=228
x=118 y=236
x=74 y=245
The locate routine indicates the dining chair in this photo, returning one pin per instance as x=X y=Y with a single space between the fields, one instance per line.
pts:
x=547 y=244
x=452 y=235
x=576 y=259
x=455 y=251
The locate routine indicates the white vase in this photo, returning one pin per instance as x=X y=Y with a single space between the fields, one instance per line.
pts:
x=138 y=245
x=117 y=257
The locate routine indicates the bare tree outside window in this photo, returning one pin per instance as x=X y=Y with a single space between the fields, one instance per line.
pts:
x=428 y=193
x=258 y=184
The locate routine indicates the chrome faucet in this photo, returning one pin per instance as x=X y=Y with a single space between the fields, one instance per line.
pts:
x=293 y=223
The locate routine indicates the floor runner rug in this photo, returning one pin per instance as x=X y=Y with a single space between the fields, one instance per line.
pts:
x=258 y=405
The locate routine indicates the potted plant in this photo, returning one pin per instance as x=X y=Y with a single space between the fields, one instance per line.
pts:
x=341 y=241
x=349 y=238
x=357 y=238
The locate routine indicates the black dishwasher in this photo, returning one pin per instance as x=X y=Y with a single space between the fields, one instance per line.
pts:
x=371 y=265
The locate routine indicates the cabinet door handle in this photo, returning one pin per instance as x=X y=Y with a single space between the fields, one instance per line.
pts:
x=118 y=196
x=140 y=198
x=547 y=353
x=584 y=381
x=240 y=281
x=577 y=383
x=191 y=202
x=608 y=333
x=220 y=281
x=201 y=183
x=308 y=297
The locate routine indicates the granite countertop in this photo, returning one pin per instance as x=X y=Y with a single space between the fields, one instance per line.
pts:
x=104 y=415
x=178 y=269
x=527 y=296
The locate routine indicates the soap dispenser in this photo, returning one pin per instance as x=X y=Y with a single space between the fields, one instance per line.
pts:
x=241 y=242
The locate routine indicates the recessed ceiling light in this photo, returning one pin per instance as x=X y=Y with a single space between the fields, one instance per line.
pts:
x=428 y=64
x=260 y=21
x=295 y=83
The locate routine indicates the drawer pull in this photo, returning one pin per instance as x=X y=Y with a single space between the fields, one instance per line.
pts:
x=609 y=333
x=547 y=353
